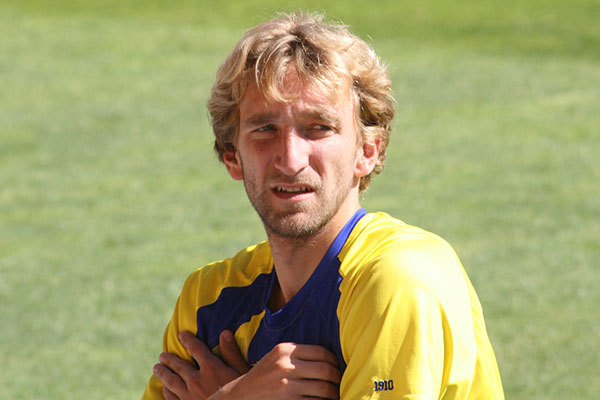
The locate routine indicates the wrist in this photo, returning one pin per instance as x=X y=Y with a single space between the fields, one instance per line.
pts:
x=225 y=392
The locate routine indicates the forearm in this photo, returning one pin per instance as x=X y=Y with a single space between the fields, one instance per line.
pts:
x=289 y=371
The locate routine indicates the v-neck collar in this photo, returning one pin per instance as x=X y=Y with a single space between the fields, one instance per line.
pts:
x=291 y=310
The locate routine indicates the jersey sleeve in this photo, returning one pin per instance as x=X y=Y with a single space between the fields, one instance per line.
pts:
x=406 y=326
x=183 y=319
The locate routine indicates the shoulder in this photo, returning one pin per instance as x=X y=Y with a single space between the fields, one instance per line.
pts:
x=242 y=269
x=397 y=255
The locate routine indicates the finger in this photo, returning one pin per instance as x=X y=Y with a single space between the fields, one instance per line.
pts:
x=231 y=353
x=319 y=370
x=199 y=351
x=183 y=368
x=168 y=395
x=169 y=379
x=314 y=388
x=310 y=352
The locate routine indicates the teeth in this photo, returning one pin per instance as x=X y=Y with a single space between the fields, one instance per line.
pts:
x=292 y=190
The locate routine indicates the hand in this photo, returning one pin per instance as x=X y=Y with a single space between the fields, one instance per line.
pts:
x=289 y=371
x=183 y=380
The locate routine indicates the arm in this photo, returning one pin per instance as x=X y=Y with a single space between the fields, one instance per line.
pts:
x=410 y=328
x=183 y=380
x=182 y=319
x=154 y=388
x=289 y=371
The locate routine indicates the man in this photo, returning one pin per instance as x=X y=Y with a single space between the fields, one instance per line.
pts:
x=337 y=303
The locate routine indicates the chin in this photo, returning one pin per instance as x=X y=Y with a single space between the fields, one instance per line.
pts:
x=294 y=226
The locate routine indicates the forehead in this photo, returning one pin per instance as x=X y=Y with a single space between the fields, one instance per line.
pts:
x=295 y=93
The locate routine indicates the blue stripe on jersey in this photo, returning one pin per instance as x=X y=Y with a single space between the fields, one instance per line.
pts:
x=310 y=317
x=235 y=306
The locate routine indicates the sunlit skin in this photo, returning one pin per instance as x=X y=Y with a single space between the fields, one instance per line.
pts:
x=301 y=162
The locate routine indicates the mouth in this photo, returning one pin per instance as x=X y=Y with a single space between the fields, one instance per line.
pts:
x=296 y=192
x=292 y=190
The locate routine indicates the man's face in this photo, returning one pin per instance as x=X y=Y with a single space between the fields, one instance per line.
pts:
x=298 y=159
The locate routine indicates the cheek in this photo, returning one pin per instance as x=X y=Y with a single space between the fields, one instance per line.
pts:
x=259 y=153
x=337 y=161
x=253 y=164
x=261 y=148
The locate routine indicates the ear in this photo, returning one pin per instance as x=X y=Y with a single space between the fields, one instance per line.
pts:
x=366 y=157
x=233 y=163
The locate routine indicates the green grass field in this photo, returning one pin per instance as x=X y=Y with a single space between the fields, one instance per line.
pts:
x=110 y=193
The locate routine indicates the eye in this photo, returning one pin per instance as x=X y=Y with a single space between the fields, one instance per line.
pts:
x=265 y=128
x=320 y=127
x=318 y=131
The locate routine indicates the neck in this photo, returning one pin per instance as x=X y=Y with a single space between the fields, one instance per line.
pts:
x=295 y=259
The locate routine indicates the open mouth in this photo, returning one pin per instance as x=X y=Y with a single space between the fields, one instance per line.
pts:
x=293 y=190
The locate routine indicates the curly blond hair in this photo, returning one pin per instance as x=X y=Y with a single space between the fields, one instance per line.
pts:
x=324 y=55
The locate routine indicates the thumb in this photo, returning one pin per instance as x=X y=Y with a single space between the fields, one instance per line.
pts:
x=231 y=353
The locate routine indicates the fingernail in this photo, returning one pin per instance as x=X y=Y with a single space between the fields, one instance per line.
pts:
x=227 y=336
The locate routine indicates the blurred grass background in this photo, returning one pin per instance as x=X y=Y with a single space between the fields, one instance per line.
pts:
x=110 y=193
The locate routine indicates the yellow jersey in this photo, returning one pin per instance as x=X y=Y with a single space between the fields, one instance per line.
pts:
x=390 y=300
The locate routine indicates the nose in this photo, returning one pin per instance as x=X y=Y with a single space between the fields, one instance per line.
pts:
x=293 y=152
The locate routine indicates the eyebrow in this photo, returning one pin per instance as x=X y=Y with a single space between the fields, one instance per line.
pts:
x=261 y=118
x=319 y=115
x=266 y=117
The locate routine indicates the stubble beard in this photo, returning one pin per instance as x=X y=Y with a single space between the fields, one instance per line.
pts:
x=298 y=221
